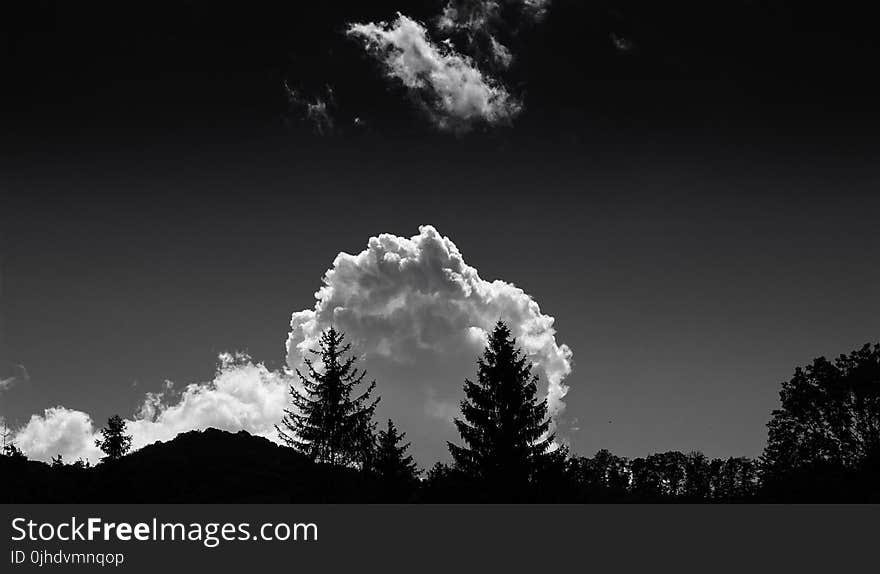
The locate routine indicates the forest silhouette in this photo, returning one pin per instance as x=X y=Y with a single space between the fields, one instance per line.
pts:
x=823 y=446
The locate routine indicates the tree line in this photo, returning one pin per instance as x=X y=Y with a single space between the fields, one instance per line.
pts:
x=823 y=442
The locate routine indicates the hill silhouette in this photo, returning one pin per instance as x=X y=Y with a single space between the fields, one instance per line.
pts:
x=215 y=466
x=194 y=467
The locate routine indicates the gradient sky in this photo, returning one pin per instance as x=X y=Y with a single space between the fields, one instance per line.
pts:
x=697 y=211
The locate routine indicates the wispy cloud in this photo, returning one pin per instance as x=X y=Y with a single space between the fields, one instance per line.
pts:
x=448 y=85
x=478 y=23
x=315 y=110
x=12 y=374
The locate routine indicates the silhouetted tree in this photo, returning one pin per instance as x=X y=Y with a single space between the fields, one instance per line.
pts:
x=57 y=461
x=662 y=476
x=829 y=419
x=553 y=481
x=5 y=436
x=648 y=478
x=438 y=472
x=392 y=463
x=13 y=452
x=698 y=477
x=604 y=477
x=693 y=478
x=327 y=423
x=114 y=442
x=674 y=465
x=366 y=442
x=504 y=427
x=397 y=471
x=734 y=479
x=445 y=483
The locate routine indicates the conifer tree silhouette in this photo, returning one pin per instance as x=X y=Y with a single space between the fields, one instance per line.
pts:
x=392 y=463
x=504 y=427
x=327 y=423
x=114 y=442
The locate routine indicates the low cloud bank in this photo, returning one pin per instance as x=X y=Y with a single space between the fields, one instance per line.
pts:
x=243 y=395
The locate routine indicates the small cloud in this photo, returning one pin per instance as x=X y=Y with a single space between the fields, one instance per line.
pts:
x=536 y=9
x=12 y=374
x=442 y=410
x=476 y=16
x=478 y=24
x=316 y=110
x=500 y=53
x=621 y=43
x=470 y=15
x=448 y=85
x=59 y=430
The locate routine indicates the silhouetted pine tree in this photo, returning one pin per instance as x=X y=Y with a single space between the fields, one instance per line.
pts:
x=504 y=427
x=114 y=442
x=392 y=463
x=327 y=423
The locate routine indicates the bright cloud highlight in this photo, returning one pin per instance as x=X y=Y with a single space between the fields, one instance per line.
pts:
x=419 y=316
x=242 y=396
x=450 y=87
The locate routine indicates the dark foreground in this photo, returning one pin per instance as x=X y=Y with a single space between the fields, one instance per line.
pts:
x=220 y=467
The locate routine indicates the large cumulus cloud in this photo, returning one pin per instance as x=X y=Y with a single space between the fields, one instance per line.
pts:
x=447 y=84
x=419 y=314
x=243 y=395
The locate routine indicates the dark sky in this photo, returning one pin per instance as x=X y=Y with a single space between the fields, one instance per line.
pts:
x=697 y=211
